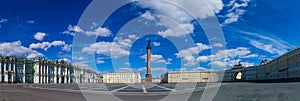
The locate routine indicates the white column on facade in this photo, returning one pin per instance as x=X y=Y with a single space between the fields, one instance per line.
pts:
x=69 y=76
x=55 y=71
x=43 y=73
x=13 y=77
x=24 y=73
x=65 y=73
x=46 y=74
x=75 y=76
x=5 y=73
x=36 y=74
x=59 y=73
x=0 y=72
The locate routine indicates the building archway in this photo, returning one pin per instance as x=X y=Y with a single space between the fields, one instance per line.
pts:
x=238 y=76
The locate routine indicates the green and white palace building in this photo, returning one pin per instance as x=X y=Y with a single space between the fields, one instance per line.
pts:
x=21 y=70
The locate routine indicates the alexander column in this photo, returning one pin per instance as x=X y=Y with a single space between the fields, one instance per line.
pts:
x=148 y=75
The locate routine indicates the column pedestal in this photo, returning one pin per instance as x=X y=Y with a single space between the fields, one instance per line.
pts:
x=148 y=78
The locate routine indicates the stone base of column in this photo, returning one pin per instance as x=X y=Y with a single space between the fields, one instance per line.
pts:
x=148 y=78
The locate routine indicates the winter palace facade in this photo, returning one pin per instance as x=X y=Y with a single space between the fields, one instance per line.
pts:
x=21 y=70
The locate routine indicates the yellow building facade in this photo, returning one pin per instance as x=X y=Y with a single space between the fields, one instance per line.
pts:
x=187 y=77
x=122 y=77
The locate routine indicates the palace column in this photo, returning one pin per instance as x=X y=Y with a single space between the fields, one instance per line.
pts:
x=148 y=75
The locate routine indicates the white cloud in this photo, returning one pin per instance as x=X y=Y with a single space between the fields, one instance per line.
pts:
x=46 y=45
x=80 y=58
x=206 y=7
x=66 y=60
x=2 y=20
x=73 y=29
x=82 y=65
x=250 y=56
x=268 y=43
x=106 y=48
x=193 y=50
x=156 y=43
x=43 y=45
x=154 y=58
x=30 y=21
x=15 y=48
x=124 y=43
x=218 y=45
x=169 y=60
x=188 y=54
x=147 y=15
x=39 y=36
x=100 y=61
x=218 y=64
x=199 y=69
x=237 y=9
x=133 y=36
x=266 y=47
x=125 y=69
x=229 y=63
x=202 y=9
x=104 y=32
x=178 y=30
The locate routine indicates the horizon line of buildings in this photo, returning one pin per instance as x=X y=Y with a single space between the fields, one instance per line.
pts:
x=22 y=70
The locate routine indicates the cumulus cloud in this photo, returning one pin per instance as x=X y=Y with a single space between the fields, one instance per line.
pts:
x=81 y=65
x=176 y=29
x=104 y=32
x=39 y=36
x=237 y=9
x=100 y=61
x=124 y=42
x=30 y=21
x=205 y=8
x=73 y=29
x=218 y=45
x=107 y=49
x=201 y=9
x=80 y=58
x=46 y=45
x=199 y=69
x=15 y=48
x=2 y=20
x=169 y=60
x=125 y=69
x=66 y=60
x=154 y=58
x=132 y=36
x=147 y=15
x=156 y=44
x=190 y=55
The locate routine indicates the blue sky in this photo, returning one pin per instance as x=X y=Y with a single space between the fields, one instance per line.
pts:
x=253 y=30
